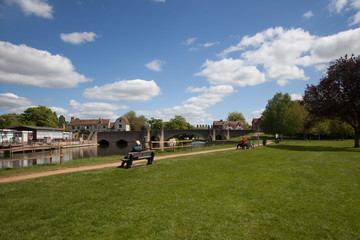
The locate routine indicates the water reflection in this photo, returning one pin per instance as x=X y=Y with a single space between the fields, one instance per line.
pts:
x=70 y=154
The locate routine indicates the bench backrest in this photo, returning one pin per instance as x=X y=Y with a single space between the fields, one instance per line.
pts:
x=140 y=154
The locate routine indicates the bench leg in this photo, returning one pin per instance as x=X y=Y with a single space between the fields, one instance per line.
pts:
x=151 y=159
x=129 y=162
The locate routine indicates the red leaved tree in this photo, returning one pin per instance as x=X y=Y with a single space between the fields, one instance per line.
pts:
x=338 y=94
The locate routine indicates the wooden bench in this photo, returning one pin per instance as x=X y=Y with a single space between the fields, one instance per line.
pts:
x=133 y=156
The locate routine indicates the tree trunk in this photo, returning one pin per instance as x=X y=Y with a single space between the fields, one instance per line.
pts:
x=357 y=136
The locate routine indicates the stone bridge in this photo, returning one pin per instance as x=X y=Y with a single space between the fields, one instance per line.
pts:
x=120 y=137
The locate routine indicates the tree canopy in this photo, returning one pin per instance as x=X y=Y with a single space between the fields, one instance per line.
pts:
x=136 y=123
x=178 y=122
x=283 y=116
x=235 y=116
x=337 y=95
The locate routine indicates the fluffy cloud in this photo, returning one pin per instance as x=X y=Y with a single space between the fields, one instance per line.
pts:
x=161 y=1
x=95 y=106
x=10 y=100
x=24 y=65
x=128 y=90
x=296 y=96
x=231 y=72
x=59 y=111
x=155 y=65
x=308 y=14
x=194 y=108
x=338 y=6
x=93 y=110
x=281 y=53
x=39 y=8
x=211 y=44
x=78 y=37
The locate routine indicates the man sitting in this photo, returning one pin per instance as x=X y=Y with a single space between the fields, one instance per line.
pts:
x=242 y=144
x=136 y=148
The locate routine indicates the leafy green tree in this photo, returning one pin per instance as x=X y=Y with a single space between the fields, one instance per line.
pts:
x=39 y=116
x=136 y=123
x=155 y=123
x=178 y=122
x=10 y=120
x=337 y=95
x=235 y=116
x=283 y=116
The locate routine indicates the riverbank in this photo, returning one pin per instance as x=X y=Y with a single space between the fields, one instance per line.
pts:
x=46 y=173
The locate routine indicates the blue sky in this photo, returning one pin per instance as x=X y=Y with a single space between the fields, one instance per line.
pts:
x=200 y=59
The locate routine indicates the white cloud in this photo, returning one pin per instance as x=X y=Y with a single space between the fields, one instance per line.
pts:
x=194 y=108
x=296 y=96
x=308 y=14
x=94 y=110
x=257 y=113
x=24 y=65
x=282 y=54
x=211 y=44
x=78 y=37
x=10 y=100
x=231 y=72
x=127 y=90
x=59 y=111
x=95 y=106
x=155 y=65
x=39 y=8
x=352 y=6
x=189 y=41
x=160 y=1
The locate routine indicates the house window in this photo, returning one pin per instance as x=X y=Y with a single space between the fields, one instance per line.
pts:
x=120 y=126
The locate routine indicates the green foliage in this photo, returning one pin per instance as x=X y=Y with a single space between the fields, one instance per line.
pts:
x=10 y=120
x=293 y=190
x=39 y=116
x=283 y=116
x=178 y=122
x=235 y=116
x=155 y=124
x=136 y=123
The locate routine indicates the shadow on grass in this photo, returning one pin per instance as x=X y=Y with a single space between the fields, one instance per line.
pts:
x=315 y=148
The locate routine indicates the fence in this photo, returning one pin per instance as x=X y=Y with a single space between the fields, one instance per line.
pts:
x=171 y=144
x=33 y=149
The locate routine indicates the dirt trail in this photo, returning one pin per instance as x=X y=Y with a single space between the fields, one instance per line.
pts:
x=98 y=166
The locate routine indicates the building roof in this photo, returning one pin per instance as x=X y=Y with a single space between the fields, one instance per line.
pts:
x=125 y=119
x=229 y=124
x=32 y=128
x=99 y=121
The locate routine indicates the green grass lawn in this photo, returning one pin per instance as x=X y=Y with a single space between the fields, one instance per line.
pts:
x=293 y=190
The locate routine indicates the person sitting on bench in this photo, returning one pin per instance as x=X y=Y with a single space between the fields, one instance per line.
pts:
x=242 y=144
x=136 y=148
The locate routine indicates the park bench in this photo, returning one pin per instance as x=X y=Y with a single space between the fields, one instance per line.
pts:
x=133 y=156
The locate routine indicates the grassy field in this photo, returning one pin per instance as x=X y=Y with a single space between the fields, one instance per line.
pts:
x=294 y=190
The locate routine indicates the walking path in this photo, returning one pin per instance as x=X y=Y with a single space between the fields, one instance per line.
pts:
x=98 y=166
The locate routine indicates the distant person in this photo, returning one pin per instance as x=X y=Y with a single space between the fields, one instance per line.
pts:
x=242 y=144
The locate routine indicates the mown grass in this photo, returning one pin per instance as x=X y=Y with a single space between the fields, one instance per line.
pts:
x=294 y=190
x=6 y=172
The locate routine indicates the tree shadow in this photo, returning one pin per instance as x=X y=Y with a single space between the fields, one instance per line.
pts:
x=314 y=148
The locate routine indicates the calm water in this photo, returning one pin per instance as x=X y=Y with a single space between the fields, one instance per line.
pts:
x=70 y=154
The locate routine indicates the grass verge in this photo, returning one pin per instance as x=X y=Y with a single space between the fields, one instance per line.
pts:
x=294 y=190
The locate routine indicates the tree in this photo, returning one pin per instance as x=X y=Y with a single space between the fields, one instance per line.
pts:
x=136 y=123
x=10 y=120
x=178 y=122
x=235 y=116
x=155 y=123
x=337 y=95
x=283 y=116
x=39 y=116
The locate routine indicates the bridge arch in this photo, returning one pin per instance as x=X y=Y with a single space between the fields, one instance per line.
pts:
x=121 y=143
x=103 y=143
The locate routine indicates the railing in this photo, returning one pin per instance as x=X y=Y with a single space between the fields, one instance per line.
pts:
x=33 y=149
x=171 y=144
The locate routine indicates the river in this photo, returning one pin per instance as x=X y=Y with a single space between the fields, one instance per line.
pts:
x=70 y=154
